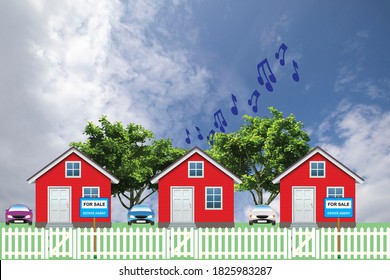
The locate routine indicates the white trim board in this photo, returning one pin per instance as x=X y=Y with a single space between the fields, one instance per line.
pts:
x=155 y=179
x=113 y=179
x=316 y=150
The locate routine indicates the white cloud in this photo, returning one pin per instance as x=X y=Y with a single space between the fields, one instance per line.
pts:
x=66 y=62
x=364 y=131
x=375 y=89
x=352 y=76
x=345 y=78
x=271 y=35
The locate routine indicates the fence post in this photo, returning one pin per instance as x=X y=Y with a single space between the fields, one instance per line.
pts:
x=273 y=251
x=355 y=242
x=381 y=249
x=144 y=242
x=168 y=242
x=368 y=236
x=226 y=233
x=317 y=244
x=206 y=250
x=27 y=237
x=239 y=249
x=200 y=249
x=75 y=244
x=252 y=246
x=374 y=246
x=287 y=243
x=348 y=238
x=2 y=243
x=126 y=239
x=313 y=243
x=388 y=242
x=164 y=243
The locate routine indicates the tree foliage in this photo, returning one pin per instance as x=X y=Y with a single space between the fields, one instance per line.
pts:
x=260 y=150
x=131 y=153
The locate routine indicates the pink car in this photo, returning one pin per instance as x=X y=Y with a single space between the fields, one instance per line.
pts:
x=18 y=214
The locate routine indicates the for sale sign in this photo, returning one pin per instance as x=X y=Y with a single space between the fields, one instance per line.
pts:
x=338 y=207
x=94 y=207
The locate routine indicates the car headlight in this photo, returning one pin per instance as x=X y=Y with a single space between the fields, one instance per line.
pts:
x=150 y=217
x=131 y=216
x=9 y=216
x=28 y=217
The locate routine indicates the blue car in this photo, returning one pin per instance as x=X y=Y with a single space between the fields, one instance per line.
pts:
x=140 y=214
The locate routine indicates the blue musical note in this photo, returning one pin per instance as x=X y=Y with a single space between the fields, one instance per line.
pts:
x=200 y=136
x=271 y=77
x=295 y=76
x=277 y=55
x=255 y=95
x=234 y=108
x=188 y=140
x=210 y=137
x=219 y=120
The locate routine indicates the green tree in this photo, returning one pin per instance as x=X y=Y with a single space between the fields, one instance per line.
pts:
x=260 y=150
x=131 y=153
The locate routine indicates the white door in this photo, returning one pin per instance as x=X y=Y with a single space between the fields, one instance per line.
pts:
x=59 y=205
x=182 y=205
x=303 y=205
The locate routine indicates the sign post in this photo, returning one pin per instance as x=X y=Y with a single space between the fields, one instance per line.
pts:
x=94 y=208
x=338 y=208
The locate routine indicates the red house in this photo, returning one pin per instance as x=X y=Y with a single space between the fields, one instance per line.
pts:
x=60 y=185
x=305 y=185
x=196 y=191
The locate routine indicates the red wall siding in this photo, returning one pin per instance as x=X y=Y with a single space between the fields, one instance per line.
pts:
x=90 y=177
x=213 y=177
x=335 y=177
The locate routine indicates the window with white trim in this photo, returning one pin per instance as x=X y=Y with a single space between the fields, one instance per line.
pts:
x=317 y=169
x=73 y=169
x=335 y=191
x=91 y=192
x=214 y=198
x=195 y=169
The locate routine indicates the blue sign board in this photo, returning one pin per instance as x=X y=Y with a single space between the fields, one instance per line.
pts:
x=94 y=207
x=338 y=207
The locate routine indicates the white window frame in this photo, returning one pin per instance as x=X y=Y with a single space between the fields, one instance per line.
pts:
x=196 y=169
x=91 y=187
x=66 y=169
x=205 y=198
x=310 y=169
x=334 y=187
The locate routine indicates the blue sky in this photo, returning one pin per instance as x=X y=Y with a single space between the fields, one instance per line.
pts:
x=170 y=65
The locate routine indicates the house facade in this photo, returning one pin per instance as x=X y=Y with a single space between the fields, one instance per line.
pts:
x=60 y=185
x=305 y=185
x=196 y=191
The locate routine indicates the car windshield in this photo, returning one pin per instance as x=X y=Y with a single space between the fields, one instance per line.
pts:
x=138 y=208
x=263 y=208
x=18 y=207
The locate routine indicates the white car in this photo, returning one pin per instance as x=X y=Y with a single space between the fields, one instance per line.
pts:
x=262 y=214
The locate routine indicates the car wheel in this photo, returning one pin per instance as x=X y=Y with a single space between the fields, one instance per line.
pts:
x=273 y=223
x=152 y=223
x=129 y=223
x=250 y=223
x=30 y=223
x=7 y=223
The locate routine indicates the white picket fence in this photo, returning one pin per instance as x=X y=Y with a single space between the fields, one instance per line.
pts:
x=207 y=243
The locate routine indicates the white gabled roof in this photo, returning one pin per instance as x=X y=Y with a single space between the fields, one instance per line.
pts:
x=156 y=178
x=33 y=178
x=316 y=150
